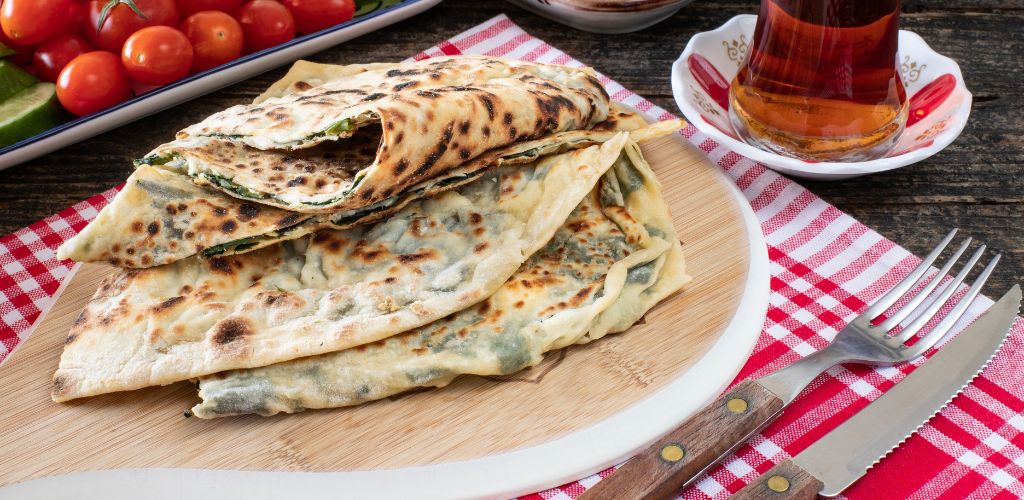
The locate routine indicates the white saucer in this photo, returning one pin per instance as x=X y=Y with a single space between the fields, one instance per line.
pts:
x=939 y=101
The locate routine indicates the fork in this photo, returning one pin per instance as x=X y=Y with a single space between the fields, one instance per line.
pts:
x=713 y=433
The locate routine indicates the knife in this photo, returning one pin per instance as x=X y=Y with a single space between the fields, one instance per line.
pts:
x=835 y=461
x=678 y=458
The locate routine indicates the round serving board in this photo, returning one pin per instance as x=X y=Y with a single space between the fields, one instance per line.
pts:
x=582 y=409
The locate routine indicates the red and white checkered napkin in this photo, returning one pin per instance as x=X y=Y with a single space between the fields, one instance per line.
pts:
x=825 y=268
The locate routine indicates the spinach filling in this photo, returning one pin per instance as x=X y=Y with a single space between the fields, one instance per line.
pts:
x=155 y=160
x=229 y=185
x=226 y=137
x=336 y=128
x=356 y=215
x=528 y=152
x=248 y=242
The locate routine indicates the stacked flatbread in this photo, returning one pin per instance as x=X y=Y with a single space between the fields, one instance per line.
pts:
x=370 y=278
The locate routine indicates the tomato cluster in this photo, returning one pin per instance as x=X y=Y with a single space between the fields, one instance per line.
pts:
x=99 y=52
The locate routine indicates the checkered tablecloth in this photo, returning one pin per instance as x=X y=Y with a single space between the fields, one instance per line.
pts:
x=825 y=268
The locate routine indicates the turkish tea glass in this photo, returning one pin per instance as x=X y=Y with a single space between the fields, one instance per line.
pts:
x=821 y=81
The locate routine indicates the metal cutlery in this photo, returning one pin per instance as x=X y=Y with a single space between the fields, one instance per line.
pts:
x=835 y=461
x=719 y=428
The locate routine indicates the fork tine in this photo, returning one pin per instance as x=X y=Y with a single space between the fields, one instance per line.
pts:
x=931 y=338
x=937 y=304
x=898 y=316
x=886 y=301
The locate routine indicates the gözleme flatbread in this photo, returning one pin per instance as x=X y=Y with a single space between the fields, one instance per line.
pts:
x=325 y=292
x=146 y=226
x=614 y=258
x=160 y=217
x=384 y=130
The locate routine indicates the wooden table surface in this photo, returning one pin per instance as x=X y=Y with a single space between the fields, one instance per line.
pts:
x=976 y=184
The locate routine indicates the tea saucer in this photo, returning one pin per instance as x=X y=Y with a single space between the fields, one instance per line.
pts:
x=939 y=101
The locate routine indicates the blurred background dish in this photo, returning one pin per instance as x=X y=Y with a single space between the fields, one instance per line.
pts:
x=33 y=106
x=602 y=16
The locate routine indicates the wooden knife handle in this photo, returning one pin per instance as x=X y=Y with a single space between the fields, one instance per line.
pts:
x=784 y=481
x=688 y=451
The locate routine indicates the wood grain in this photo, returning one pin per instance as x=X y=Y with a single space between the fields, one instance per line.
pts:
x=977 y=183
x=795 y=484
x=471 y=418
x=661 y=470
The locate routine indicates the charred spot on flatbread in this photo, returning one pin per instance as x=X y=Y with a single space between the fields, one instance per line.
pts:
x=231 y=330
x=61 y=386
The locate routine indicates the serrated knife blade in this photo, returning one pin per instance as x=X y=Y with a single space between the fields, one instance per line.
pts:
x=847 y=452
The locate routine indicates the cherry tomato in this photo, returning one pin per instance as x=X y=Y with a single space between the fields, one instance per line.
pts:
x=22 y=53
x=93 y=81
x=216 y=38
x=73 y=20
x=265 y=23
x=188 y=7
x=55 y=53
x=157 y=55
x=32 y=21
x=314 y=15
x=122 y=21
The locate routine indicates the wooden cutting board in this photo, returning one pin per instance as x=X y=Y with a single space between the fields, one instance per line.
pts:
x=474 y=417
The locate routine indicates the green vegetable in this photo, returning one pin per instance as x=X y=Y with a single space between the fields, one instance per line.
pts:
x=230 y=185
x=13 y=79
x=528 y=152
x=250 y=241
x=6 y=51
x=364 y=7
x=237 y=245
x=28 y=113
x=354 y=216
x=156 y=159
x=227 y=137
x=336 y=128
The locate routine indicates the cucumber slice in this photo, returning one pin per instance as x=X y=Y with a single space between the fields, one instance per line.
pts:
x=13 y=79
x=28 y=113
x=365 y=8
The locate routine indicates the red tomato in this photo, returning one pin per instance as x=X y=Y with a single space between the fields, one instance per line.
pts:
x=93 y=81
x=23 y=53
x=157 y=55
x=265 y=23
x=314 y=15
x=188 y=7
x=55 y=53
x=73 y=20
x=32 y=21
x=216 y=38
x=122 y=21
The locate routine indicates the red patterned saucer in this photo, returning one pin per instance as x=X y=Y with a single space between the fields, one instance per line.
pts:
x=939 y=101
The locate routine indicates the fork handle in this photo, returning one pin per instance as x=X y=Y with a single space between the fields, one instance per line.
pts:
x=660 y=470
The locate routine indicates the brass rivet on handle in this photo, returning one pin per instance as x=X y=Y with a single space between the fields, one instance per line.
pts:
x=672 y=453
x=778 y=484
x=736 y=405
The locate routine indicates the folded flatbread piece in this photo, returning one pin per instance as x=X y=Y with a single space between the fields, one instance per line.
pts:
x=614 y=258
x=161 y=217
x=239 y=178
x=325 y=292
x=384 y=130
